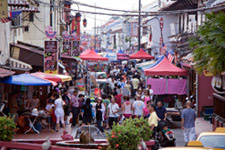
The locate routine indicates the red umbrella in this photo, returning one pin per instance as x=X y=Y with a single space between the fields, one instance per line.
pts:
x=141 y=54
x=47 y=76
x=92 y=55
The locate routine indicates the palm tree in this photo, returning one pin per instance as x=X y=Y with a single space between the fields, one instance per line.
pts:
x=209 y=45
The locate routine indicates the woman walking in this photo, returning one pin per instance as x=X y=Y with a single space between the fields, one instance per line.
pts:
x=59 y=111
x=127 y=108
x=87 y=116
x=100 y=109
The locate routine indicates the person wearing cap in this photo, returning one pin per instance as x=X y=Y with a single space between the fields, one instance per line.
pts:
x=100 y=109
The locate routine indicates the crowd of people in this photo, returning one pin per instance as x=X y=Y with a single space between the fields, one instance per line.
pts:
x=124 y=97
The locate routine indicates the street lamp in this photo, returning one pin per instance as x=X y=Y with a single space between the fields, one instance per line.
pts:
x=78 y=16
x=85 y=22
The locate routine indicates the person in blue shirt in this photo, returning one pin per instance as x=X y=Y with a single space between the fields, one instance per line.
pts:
x=188 y=118
x=161 y=111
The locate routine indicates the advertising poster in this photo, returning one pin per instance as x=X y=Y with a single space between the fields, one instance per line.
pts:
x=80 y=84
x=51 y=57
x=66 y=48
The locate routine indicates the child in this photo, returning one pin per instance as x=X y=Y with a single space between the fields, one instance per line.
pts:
x=168 y=133
x=53 y=120
x=48 y=108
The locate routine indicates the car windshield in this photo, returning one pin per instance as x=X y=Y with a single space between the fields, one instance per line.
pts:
x=213 y=141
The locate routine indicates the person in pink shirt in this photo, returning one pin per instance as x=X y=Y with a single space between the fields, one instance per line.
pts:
x=146 y=97
x=146 y=112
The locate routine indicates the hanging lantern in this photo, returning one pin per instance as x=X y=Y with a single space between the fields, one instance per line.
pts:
x=78 y=15
x=85 y=22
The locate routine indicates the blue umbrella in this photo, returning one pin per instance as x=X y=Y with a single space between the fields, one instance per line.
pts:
x=25 y=79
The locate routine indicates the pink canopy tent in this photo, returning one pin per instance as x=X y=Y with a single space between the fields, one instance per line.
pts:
x=122 y=58
x=165 y=67
x=92 y=55
x=141 y=54
x=85 y=52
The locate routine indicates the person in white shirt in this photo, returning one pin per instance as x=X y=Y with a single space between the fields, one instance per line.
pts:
x=138 y=106
x=135 y=83
x=112 y=113
x=59 y=111
x=150 y=91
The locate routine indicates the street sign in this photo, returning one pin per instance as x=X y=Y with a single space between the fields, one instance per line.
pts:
x=51 y=57
x=134 y=29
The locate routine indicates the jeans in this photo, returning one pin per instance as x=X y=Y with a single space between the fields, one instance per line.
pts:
x=75 y=112
x=99 y=124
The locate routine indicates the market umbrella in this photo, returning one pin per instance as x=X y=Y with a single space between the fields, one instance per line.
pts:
x=164 y=67
x=92 y=55
x=47 y=76
x=25 y=79
x=141 y=54
x=64 y=78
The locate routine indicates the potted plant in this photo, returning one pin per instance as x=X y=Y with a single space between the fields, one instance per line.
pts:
x=7 y=128
x=129 y=135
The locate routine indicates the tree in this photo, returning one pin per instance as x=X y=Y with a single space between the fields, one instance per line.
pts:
x=209 y=45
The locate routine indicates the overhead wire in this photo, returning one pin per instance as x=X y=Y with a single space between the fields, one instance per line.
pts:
x=147 y=13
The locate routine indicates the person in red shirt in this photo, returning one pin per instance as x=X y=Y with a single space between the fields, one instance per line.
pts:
x=118 y=98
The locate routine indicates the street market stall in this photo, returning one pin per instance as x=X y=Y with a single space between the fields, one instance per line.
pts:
x=122 y=56
x=141 y=54
x=169 y=87
x=94 y=57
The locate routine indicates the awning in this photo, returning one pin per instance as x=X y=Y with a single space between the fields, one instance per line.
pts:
x=66 y=58
x=5 y=73
x=92 y=55
x=18 y=65
x=64 y=78
x=47 y=76
x=25 y=79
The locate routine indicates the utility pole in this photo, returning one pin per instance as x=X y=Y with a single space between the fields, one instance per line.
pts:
x=51 y=10
x=139 y=26
x=95 y=30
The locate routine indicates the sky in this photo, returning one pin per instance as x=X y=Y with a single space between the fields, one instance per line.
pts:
x=101 y=19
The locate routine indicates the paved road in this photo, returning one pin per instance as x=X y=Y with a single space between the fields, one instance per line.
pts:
x=178 y=133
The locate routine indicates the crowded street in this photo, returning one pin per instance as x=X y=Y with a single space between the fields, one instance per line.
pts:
x=112 y=75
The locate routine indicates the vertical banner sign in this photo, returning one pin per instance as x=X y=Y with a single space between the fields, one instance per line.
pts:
x=3 y=8
x=134 y=29
x=75 y=51
x=51 y=57
x=66 y=48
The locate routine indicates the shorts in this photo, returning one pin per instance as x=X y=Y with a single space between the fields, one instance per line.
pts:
x=49 y=119
x=189 y=134
x=127 y=115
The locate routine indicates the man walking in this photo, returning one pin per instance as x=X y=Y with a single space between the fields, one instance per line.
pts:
x=188 y=117
x=75 y=107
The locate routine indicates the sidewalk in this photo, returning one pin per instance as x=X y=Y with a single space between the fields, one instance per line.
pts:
x=202 y=125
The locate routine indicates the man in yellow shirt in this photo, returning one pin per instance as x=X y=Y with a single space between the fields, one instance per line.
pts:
x=153 y=119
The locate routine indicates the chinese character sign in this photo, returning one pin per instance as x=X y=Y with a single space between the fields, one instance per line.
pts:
x=51 y=57
x=3 y=8
x=134 y=29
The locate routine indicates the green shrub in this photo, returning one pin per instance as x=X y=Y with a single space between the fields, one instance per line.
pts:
x=7 y=128
x=129 y=134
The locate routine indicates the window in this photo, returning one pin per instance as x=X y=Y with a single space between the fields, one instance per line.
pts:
x=145 y=30
x=26 y=28
x=17 y=21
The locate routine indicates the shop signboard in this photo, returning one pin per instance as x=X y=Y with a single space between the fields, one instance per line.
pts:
x=67 y=48
x=51 y=57
x=3 y=8
x=134 y=29
x=75 y=50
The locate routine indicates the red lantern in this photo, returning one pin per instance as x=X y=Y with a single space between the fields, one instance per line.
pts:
x=78 y=15
x=85 y=22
